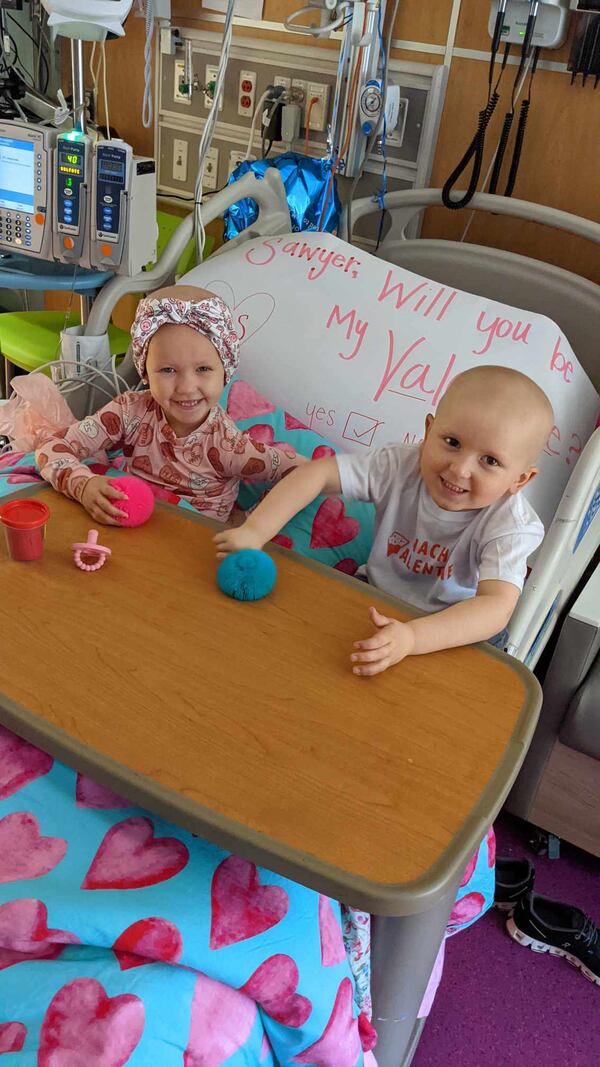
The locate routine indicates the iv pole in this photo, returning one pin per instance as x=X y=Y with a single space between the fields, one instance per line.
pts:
x=77 y=79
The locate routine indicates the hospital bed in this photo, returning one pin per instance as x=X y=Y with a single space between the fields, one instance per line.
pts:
x=571 y=301
x=573 y=536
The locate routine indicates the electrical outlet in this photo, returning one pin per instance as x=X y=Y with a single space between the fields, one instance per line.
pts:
x=210 y=75
x=297 y=83
x=211 y=170
x=396 y=136
x=178 y=95
x=279 y=79
x=180 y=160
x=237 y=156
x=319 y=111
x=246 y=93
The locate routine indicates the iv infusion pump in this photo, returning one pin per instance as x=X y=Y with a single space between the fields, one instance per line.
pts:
x=26 y=154
x=71 y=185
x=64 y=198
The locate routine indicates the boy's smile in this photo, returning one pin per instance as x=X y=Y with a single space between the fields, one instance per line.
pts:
x=483 y=439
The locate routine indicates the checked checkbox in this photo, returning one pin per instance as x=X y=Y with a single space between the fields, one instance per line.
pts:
x=361 y=428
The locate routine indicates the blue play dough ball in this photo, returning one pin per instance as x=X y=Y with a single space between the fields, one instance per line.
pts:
x=247 y=575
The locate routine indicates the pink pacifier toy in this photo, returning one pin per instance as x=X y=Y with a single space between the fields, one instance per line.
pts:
x=96 y=554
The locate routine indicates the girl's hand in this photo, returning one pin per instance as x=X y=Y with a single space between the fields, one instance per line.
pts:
x=232 y=540
x=96 y=499
x=390 y=644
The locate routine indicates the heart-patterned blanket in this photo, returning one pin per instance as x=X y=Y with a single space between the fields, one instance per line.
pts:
x=164 y=949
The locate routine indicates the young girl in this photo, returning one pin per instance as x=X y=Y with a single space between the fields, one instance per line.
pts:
x=175 y=435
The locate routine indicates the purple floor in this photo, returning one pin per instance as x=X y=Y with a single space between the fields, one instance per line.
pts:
x=501 y=1005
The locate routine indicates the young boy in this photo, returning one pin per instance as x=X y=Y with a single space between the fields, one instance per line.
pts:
x=452 y=531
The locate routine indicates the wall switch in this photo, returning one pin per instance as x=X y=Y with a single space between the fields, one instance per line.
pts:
x=180 y=160
x=179 y=96
x=211 y=170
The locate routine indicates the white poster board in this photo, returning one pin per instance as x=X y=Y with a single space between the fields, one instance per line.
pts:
x=361 y=350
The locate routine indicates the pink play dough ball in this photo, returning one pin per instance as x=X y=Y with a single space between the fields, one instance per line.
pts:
x=140 y=500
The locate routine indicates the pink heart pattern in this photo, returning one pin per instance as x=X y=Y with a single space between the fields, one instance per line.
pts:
x=90 y=794
x=262 y=433
x=24 y=853
x=331 y=526
x=283 y=540
x=12 y=1037
x=466 y=909
x=291 y=423
x=24 y=933
x=346 y=566
x=148 y=941
x=11 y=458
x=20 y=763
x=471 y=865
x=243 y=402
x=222 y=1019
x=491 y=847
x=332 y=942
x=22 y=479
x=130 y=856
x=323 y=452
x=83 y=1025
x=273 y=985
x=339 y=1044
x=240 y=907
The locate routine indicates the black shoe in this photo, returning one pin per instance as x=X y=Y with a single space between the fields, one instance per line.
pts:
x=514 y=878
x=547 y=926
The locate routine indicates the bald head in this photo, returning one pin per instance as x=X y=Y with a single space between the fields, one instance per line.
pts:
x=508 y=402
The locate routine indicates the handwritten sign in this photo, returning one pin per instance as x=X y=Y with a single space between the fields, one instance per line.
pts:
x=328 y=331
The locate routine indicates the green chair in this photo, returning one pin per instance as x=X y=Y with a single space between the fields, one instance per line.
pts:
x=29 y=339
x=167 y=224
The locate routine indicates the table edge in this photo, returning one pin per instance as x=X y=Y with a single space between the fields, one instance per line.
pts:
x=378 y=898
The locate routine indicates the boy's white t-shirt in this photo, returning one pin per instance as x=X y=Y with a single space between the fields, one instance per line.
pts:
x=425 y=555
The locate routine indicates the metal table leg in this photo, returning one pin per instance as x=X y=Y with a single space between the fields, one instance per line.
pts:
x=403 y=952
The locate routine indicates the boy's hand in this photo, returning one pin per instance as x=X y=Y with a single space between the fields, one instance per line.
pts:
x=391 y=642
x=232 y=540
x=97 y=498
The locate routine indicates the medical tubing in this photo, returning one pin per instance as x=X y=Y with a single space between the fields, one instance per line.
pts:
x=474 y=152
x=147 y=109
x=373 y=136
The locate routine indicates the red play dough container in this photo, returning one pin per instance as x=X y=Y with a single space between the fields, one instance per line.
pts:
x=24 y=524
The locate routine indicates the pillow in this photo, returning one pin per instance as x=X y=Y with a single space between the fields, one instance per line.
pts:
x=332 y=530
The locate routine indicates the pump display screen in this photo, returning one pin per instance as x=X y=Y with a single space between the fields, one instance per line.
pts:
x=17 y=160
x=70 y=161
x=110 y=170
